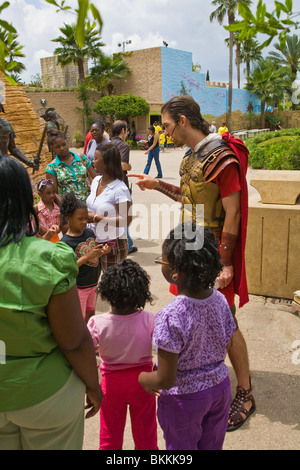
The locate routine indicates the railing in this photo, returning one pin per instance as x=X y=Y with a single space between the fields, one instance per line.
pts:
x=244 y=134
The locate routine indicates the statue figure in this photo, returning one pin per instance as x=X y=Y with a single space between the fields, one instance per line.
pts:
x=7 y=144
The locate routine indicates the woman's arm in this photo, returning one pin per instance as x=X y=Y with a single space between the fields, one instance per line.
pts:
x=122 y=218
x=91 y=171
x=164 y=377
x=72 y=336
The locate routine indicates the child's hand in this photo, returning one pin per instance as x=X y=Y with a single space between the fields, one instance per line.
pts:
x=54 y=229
x=142 y=379
x=151 y=390
x=95 y=252
x=106 y=249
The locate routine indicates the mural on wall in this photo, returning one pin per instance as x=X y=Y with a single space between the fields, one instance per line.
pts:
x=177 y=76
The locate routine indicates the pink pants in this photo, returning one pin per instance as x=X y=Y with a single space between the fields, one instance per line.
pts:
x=87 y=298
x=120 y=389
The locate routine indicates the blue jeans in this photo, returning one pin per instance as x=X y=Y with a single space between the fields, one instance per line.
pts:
x=154 y=153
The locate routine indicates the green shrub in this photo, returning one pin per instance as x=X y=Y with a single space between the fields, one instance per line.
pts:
x=278 y=150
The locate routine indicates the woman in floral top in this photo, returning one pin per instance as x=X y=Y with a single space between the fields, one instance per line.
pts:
x=69 y=172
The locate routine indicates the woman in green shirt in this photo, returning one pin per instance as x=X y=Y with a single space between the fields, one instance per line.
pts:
x=49 y=360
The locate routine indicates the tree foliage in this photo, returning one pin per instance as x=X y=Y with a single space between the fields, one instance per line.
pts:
x=268 y=82
x=279 y=22
x=106 y=70
x=228 y=8
x=70 y=51
x=122 y=107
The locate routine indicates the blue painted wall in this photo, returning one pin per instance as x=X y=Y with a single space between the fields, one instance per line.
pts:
x=177 y=71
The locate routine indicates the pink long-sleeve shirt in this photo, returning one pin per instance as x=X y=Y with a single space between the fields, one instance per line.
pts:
x=123 y=341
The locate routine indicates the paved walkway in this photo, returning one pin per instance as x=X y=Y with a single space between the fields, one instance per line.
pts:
x=270 y=328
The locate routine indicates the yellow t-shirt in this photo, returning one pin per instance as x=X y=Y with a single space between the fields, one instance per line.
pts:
x=162 y=139
x=222 y=129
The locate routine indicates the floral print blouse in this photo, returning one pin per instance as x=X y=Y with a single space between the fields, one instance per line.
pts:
x=71 y=178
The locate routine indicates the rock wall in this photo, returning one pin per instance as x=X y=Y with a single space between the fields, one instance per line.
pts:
x=56 y=76
x=28 y=126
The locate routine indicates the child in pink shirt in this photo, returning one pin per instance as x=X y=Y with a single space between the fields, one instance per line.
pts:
x=123 y=338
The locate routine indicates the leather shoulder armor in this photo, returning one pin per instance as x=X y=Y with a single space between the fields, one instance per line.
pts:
x=214 y=157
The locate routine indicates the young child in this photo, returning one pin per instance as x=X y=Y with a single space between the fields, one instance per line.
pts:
x=50 y=219
x=191 y=334
x=123 y=338
x=162 y=140
x=82 y=240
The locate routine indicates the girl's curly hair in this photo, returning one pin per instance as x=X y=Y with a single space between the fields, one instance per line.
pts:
x=70 y=204
x=125 y=286
x=200 y=265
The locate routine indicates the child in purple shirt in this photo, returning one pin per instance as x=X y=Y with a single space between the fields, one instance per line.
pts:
x=191 y=335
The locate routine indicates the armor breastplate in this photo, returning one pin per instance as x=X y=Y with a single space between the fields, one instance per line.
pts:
x=197 y=172
x=195 y=190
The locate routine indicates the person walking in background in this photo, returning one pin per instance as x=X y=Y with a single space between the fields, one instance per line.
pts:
x=123 y=339
x=97 y=134
x=153 y=152
x=50 y=360
x=191 y=334
x=162 y=140
x=82 y=240
x=222 y=129
x=213 y=127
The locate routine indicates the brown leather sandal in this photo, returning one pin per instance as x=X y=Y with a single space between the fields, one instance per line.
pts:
x=238 y=413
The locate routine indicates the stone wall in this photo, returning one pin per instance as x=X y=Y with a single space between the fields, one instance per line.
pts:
x=66 y=104
x=28 y=126
x=289 y=118
x=55 y=76
x=145 y=79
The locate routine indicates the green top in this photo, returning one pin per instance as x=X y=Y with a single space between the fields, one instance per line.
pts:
x=71 y=177
x=32 y=270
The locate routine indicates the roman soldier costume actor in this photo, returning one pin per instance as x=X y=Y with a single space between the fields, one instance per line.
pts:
x=215 y=170
x=213 y=174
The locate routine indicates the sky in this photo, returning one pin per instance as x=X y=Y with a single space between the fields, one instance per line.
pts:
x=183 y=24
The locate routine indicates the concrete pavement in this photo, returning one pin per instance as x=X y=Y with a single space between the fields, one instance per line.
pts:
x=271 y=331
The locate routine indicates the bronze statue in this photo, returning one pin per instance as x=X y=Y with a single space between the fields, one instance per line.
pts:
x=7 y=144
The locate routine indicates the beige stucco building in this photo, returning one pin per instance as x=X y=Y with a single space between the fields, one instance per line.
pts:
x=55 y=76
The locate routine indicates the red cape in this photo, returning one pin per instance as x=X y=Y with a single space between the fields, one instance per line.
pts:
x=240 y=281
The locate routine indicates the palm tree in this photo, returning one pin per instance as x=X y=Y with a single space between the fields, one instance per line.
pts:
x=289 y=55
x=250 y=52
x=237 y=45
x=228 y=8
x=107 y=69
x=268 y=82
x=70 y=51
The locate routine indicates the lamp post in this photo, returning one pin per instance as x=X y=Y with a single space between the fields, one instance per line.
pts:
x=123 y=44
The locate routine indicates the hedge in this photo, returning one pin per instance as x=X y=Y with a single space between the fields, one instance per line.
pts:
x=278 y=150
